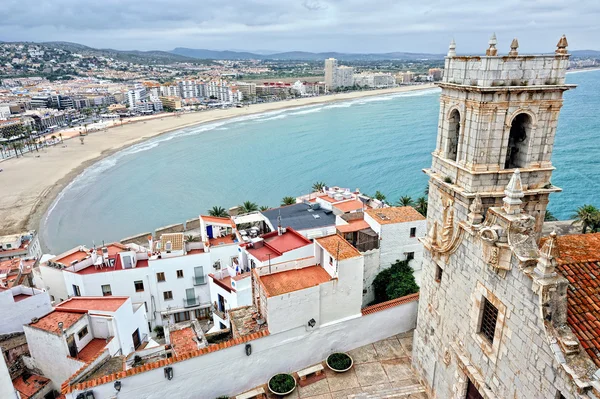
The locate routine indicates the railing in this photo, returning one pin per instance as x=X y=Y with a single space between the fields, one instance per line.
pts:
x=189 y=302
x=215 y=309
x=199 y=280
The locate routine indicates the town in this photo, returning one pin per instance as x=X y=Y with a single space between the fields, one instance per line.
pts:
x=468 y=291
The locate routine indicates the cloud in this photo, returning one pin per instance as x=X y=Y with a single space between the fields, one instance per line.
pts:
x=312 y=25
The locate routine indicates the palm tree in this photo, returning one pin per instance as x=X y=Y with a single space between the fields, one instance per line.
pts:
x=379 y=196
x=264 y=208
x=288 y=201
x=405 y=201
x=249 y=206
x=218 y=211
x=318 y=186
x=549 y=217
x=191 y=238
x=588 y=216
x=421 y=205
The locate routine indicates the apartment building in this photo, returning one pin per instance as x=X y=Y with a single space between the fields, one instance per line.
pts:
x=23 y=245
x=19 y=305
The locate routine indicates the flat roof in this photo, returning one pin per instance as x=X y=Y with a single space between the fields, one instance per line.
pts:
x=338 y=247
x=299 y=217
x=98 y=303
x=293 y=280
x=352 y=226
x=176 y=240
x=183 y=340
x=276 y=245
x=217 y=220
x=350 y=205
x=395 y=214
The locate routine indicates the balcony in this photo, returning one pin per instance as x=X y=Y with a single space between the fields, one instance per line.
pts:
x=199 y=280
x=220 y=313
x=191 y=302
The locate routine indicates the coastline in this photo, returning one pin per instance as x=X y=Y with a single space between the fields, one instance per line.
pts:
x=36 y=179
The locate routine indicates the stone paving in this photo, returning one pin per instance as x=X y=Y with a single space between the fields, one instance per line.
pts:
x=382 y=367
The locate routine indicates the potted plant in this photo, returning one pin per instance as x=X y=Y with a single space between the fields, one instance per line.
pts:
x=282 y=384
x=339 y=362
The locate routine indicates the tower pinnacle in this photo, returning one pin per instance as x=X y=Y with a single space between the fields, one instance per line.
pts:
x=514 y=193
x=492 y=50
x=452 y=49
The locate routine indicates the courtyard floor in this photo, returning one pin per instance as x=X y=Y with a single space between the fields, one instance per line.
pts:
x=381 y=370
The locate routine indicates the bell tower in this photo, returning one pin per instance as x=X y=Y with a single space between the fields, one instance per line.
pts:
x=485 y=293
x=497 y=114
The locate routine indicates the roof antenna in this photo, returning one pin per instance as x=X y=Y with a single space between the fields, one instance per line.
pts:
x=279 y=232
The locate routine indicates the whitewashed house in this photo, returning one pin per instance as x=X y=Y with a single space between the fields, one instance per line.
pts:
x=85 y=331
x=19 y=305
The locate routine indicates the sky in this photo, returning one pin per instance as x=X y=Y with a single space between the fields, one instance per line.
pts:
x=354 y=26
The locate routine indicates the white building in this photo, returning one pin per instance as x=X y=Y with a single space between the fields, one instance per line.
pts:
x=190 y=89
x=330 y=67
x=84 y=331
x=136 y=95
x=337 y=76
x=24 y=245
x=19 y=305
x=170 y=90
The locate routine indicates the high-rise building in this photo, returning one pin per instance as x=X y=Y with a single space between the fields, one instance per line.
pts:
x=330 y=67
x=492 y=319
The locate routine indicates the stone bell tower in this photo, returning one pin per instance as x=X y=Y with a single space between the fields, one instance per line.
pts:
x=489 y=184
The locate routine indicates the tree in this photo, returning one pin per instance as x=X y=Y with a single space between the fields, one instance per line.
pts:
x=395 y=282
x=249 y=206
x=421 y=205
x=191 y=238
x=264 y=208
x=549 y=217
x=379 y=196
x=288 y=201
x=405 y=200
x=218 y=211
x=318 y=186
x=589 y=217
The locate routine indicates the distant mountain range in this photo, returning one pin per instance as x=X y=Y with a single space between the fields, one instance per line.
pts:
x=301 y=55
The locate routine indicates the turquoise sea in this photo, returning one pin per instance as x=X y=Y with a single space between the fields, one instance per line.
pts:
x=378 y=143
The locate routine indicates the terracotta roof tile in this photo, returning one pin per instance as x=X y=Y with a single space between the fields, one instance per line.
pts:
x=50 y=321
x=390 y=304
x=293 y=280
x=395 y=214
x=338 y=247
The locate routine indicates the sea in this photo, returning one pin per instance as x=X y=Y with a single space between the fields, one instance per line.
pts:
x=374 y=144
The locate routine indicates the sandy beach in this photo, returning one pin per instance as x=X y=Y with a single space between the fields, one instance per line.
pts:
x=29 y=184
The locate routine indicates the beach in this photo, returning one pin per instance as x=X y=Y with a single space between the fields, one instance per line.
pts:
x=29 y=184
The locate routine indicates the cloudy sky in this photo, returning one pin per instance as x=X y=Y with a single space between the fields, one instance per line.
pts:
x=307 y=25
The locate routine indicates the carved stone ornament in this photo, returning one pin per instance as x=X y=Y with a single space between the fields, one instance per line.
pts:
x=521 y=238
x=447 y=357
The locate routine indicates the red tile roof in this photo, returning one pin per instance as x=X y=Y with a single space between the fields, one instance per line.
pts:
x=579 y=262
x=390 y=304
x=352 y=226
x=90 y=351
x=276 y=245
x=349 y=206
x=338 y=247
x=50 y=321
x=293 y=280
x=217 y=220
x=183 y=341
x=30 y=386
x=97 y=303
x=395 y=214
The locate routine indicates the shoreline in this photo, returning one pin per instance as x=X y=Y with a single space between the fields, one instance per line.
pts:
x=37 y=179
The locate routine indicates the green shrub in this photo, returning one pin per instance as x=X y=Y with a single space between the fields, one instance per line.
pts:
x=282 y=383
x=395 y=282
x=160 y=331
x=339 y=361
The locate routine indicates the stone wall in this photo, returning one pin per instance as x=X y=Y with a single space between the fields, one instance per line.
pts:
x=192 y=224
x=174 y=228
x=139 y=239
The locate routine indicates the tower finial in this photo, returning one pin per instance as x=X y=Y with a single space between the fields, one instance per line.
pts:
x=548 y=254
x=452 y=49
x=561 y=46
x=514 y=45
x=514 y=193
x=492 y=50
x=475 y=217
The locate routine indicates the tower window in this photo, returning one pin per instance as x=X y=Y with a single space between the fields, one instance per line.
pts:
x=453 y=135
x=488 y=320
x=518 y=141
x=438 y=274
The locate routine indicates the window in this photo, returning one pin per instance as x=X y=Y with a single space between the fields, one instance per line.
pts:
x=559 y=395
x=488 y=320
x=410 y=256
x=413 y=232
x=8 y=246
x=201 y=314
x=438 y=274
x=179 y=273
x=139 y=286
x=518 y=142
x=453 y=135
x=168 y=295
x=82 y=333
x=106 y=291
x=181 y=316
x=331 y=260
x=76 y=291
x=160 y=277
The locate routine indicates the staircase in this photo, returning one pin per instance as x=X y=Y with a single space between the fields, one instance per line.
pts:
x=409 y=391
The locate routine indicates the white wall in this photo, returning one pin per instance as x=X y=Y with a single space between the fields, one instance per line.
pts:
x=342 y=298
x=6 y=387
x=53 y=282
x=15 y=314
x=49 y=354
x=372 y=269
x=285 y=352
x=293 y=310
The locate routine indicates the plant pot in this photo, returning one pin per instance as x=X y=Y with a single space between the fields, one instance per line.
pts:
x=282 y=393
x=340 y=370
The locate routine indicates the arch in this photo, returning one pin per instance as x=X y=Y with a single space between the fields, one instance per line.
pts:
x=453 y=134
x=521 y=127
